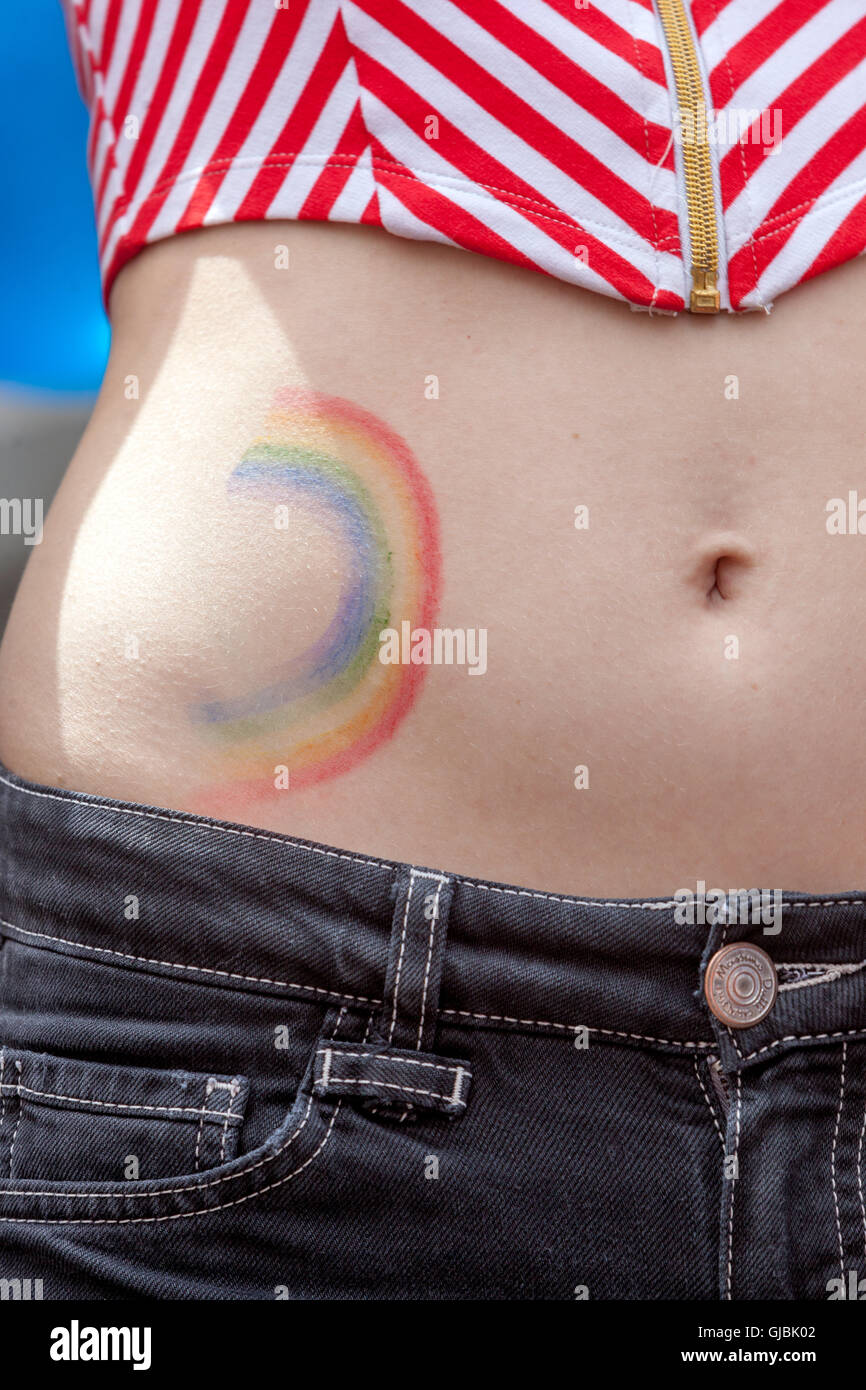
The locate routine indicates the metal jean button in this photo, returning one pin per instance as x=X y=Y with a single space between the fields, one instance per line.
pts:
x=740 y=984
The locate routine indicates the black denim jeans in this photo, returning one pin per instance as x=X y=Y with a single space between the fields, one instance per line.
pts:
x=240 y=1066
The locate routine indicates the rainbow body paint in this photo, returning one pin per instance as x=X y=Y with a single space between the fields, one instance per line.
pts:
x=324 y=710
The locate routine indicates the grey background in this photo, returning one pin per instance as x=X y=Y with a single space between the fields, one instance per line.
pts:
x=38 y=436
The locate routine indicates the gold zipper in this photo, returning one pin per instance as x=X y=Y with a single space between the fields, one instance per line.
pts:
x=697 y=164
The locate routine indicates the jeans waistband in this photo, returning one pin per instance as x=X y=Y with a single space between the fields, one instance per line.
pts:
x=230 y=906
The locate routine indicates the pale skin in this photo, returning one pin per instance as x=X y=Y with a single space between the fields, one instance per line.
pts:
x=608 y=647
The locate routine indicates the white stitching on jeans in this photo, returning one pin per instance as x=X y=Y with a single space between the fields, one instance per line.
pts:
x=452 y=1013
x=2 y=1096
x=789 y=1037
x=172 y=1216
x=833 y=1163
x=833 y=970
x=331 y=1055
x=332 y=994
x=434 y=922
x=458 y=1085
x=167 y=1191
x=400 y=955
x=202 y=825
x=170 y=1191
x=235 y=1088
x=208 y=1090
x=381 y=864
x=819 y=965
x=413 y=874
x=860 y=1179
x=393 y=1086
x=354 y=998
x=556 y=898
x=198 y=1139
x=799 y=1037
x=709 y=1104
x=116 y=1105
x=571 y=1028
x=388 y=1057
x=733 y=1181
x=199 y=969
x=326 y=1066
x=18 y=1120
x=641 y=906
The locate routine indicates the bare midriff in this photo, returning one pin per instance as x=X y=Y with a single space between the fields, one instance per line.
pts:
x=316 y=443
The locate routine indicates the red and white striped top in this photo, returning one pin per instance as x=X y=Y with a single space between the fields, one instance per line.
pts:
x=540 y=132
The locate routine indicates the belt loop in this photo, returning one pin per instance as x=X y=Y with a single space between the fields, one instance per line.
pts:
x=415 y=959
x=395 y=1074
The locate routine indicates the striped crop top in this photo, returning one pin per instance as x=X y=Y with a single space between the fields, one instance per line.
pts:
x=675 y=154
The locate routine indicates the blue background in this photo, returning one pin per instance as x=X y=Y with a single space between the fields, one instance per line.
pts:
x=54 y=334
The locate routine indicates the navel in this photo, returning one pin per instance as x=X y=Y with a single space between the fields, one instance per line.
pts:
x=720 y=566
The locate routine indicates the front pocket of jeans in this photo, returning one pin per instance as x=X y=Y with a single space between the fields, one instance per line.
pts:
x=284 y=1160
x=64 y=1120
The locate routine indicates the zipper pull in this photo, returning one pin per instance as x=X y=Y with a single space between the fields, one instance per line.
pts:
x=704 y=297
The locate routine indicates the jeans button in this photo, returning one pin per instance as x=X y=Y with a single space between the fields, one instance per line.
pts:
x=740 y=984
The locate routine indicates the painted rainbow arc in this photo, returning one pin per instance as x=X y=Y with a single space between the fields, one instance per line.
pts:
x=325 y=710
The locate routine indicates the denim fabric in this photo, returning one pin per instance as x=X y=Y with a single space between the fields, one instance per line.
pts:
x=235 y=1065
